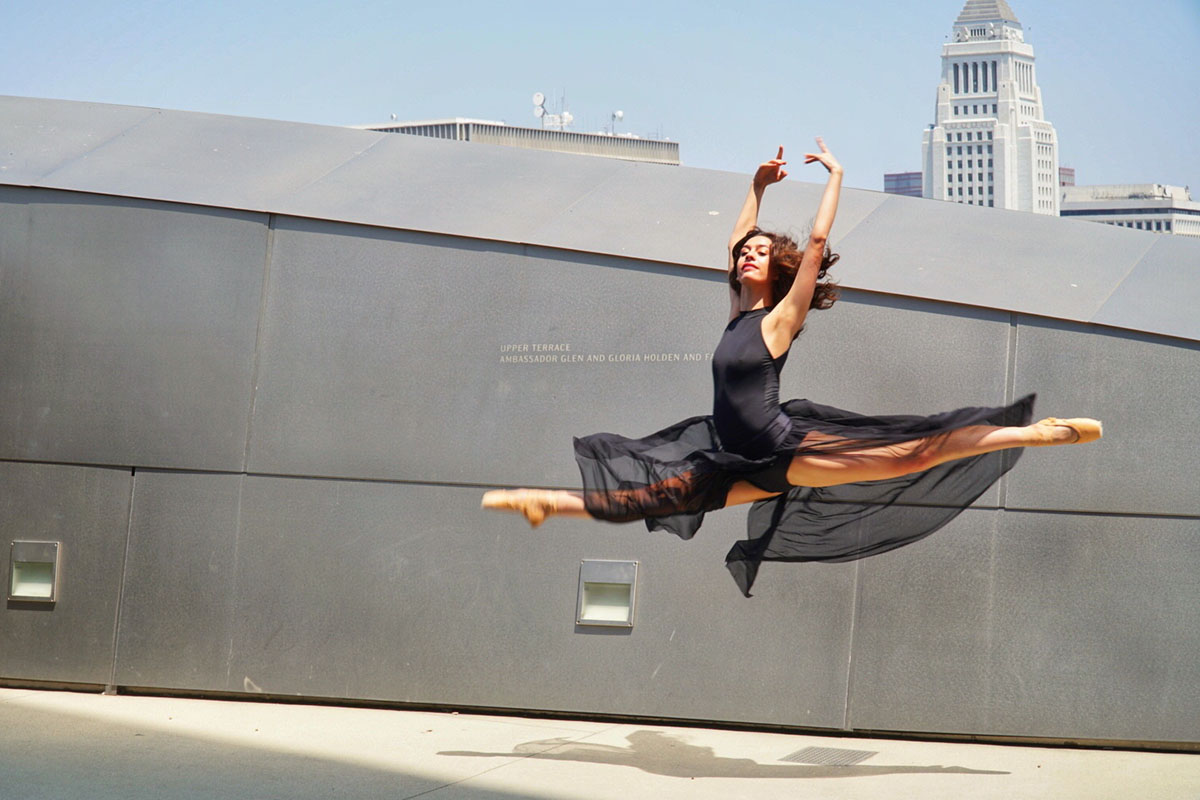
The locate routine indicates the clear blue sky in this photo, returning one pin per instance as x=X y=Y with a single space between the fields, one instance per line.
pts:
x=1120 y=80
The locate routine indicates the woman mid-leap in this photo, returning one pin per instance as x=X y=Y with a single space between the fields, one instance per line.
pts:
x=827 y=484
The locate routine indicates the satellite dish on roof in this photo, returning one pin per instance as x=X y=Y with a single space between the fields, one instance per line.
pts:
x=539 y=98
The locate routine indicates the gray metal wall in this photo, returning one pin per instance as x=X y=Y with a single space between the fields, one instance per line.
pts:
x=262 y=439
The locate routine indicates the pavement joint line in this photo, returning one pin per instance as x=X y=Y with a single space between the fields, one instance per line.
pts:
x=524 y=757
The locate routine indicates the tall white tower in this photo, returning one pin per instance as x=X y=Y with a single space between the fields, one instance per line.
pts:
x=990 y=144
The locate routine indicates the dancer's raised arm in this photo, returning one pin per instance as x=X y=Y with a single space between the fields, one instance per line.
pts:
x=767 y=173
x=793 y=308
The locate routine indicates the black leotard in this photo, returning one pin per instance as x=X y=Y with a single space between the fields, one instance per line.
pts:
x=746 y=411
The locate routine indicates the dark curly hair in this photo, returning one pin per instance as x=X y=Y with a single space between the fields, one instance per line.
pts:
x=783 y=266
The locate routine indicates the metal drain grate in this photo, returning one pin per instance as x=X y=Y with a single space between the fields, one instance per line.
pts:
x=830 y=756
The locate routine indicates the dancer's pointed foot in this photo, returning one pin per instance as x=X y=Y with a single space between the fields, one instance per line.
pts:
x=534 y=504
x=1052 y=430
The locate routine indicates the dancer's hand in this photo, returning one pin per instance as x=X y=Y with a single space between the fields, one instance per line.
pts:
x=825 y=157
x=771 y=171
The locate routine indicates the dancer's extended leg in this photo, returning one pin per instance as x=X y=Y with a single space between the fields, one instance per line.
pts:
x=537 y=505
x=917 y=455
x=904 y=458
x=624 y=505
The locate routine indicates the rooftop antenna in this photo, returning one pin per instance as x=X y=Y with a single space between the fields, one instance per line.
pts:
x=617 y=116
x=556 y=121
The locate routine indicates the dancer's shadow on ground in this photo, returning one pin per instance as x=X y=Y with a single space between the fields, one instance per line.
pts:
x=660 y=754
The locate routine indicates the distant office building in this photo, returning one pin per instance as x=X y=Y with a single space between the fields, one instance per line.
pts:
x=1066 y=176
x=1145 y=206
x=990 y=144
x=905 y=183
x=623 y=146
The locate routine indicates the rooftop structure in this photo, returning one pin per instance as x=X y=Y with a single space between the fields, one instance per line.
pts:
x=1153 y=207
x=903 y=183
x=606 y=145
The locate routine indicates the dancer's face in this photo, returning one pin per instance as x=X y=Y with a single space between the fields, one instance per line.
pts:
x=753 y=263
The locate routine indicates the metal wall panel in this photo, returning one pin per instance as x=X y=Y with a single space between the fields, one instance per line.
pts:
x=87 y=510
x=382 y=355
x=177 y=607
x=510 y=192
x=883 y=354
x=401 y=592
x=40 y=136
x=997 y=259
x=1054 y=625
x=127 y=330
x=1161 y=293
x=932 y=597
x=254 y=160
x=1143 y=388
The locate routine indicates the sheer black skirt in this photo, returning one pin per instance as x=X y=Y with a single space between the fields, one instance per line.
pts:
x=671 y=478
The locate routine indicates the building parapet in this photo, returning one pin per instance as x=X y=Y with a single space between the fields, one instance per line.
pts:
x=626 y=146
x=1126 y=191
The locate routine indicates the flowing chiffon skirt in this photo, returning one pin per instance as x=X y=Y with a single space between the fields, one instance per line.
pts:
x=671 y=478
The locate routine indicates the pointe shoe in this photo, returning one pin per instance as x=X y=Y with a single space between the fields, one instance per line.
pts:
x=534 y=504
x=1086 y=430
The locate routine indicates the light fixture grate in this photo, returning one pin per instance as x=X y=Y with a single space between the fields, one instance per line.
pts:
x=830 y=756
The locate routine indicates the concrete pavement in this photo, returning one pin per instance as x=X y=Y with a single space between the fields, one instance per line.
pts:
x=66 y=745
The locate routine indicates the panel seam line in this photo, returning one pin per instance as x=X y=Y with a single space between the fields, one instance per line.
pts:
x=258 y=338
x=110 y=688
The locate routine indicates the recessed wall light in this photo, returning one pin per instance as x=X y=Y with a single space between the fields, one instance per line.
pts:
x=33 y=575
x=607 y=593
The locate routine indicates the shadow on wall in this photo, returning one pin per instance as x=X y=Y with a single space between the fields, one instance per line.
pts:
x=661 y=754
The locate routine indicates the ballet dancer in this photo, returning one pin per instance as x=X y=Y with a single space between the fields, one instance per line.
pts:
x=826 y=484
